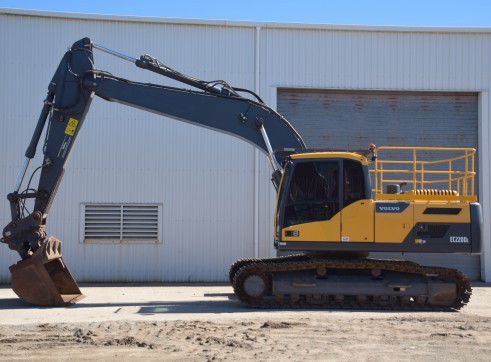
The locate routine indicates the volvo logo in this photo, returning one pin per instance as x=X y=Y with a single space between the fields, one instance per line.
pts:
x=391 y=207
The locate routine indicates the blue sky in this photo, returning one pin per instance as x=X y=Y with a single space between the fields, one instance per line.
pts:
x=468 y=13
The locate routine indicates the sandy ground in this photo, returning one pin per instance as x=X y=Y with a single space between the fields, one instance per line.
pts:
x=206 y=323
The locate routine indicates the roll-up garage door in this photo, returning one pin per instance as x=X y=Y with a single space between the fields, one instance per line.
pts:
x=351 y=120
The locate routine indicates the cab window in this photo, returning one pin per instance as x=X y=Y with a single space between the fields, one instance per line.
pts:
x=354 y=182
x=313 y=194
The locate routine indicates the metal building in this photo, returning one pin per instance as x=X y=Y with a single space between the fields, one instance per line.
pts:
x=205 y=198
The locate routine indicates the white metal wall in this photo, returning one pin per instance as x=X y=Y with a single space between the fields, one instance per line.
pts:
x=214 y=189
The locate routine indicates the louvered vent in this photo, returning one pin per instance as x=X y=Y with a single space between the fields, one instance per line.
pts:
x=131 y=223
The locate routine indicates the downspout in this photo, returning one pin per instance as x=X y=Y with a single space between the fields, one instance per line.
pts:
x=484 y=147
x=256 y=151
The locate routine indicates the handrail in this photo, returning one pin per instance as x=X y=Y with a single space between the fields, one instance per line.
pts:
x=452 y=171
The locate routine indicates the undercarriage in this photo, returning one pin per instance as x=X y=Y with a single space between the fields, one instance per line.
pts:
x=303 y=281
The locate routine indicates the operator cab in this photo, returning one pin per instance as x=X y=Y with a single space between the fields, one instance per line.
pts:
x=317 y=186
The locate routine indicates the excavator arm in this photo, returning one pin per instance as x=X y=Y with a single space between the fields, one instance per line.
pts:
x=215 y=105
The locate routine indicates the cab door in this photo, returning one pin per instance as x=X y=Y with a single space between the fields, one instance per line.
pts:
x=357 y=214
x=311 y=203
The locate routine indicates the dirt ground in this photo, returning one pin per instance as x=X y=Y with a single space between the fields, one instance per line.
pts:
x=206 y=323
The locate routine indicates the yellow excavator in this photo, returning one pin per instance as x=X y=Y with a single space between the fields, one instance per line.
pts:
x=333 y=208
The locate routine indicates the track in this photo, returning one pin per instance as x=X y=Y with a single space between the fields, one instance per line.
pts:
x=256 y=281
x=280 y=259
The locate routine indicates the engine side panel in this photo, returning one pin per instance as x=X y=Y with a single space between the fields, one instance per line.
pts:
x=394 y=221
x=431 y=227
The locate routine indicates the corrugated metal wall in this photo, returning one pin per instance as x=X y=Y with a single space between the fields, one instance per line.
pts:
x=397 y=60
x=204 y=180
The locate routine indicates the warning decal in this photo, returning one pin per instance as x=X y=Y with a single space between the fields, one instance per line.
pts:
x=71 y=127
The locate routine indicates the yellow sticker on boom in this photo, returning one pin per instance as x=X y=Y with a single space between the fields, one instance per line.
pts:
x=71 y=126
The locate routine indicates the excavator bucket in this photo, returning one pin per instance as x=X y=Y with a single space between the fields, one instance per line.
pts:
x=44 y=279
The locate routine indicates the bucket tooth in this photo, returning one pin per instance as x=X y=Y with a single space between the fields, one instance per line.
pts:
x=44 y=279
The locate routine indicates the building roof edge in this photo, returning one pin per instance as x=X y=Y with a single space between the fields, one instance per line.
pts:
x=242 y=23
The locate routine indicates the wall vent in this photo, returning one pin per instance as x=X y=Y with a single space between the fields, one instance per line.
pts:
x=121 y=223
